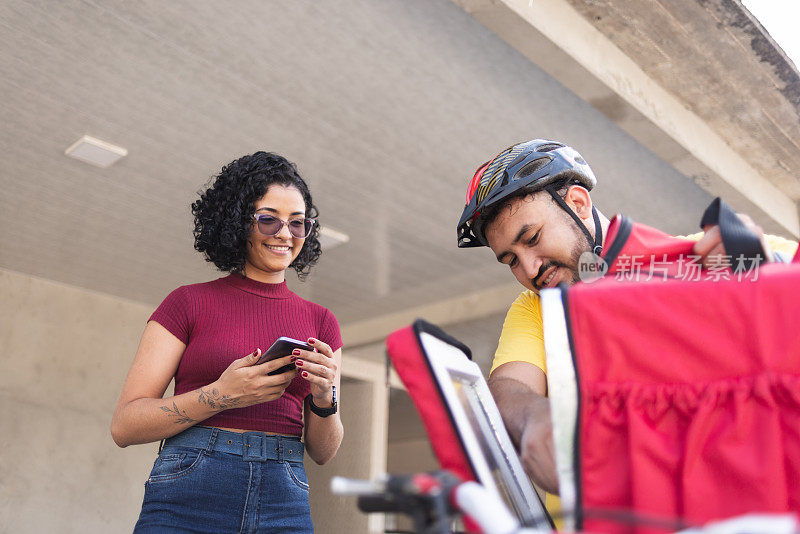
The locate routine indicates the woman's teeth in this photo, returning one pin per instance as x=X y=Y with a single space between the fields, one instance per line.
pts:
x=279 y=249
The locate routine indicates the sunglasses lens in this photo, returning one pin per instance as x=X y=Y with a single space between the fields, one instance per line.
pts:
x=300 y=227
x=269 y=225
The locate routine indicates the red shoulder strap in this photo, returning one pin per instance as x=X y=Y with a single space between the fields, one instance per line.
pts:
x=629 y=242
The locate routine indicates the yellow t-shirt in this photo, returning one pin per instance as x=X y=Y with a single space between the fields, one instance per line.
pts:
x=522 y=337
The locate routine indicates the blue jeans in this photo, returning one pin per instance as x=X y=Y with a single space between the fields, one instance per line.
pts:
x=211 y=480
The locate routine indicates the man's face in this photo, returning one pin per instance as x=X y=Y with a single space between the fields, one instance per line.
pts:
x=538 y=241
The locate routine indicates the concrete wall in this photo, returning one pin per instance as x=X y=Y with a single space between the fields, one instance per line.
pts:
x=65 y=353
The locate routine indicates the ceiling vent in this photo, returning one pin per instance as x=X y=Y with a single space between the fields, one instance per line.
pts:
x=329 y=238
x=95 y=151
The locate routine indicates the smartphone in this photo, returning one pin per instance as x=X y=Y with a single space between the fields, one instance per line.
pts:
x=283 y=346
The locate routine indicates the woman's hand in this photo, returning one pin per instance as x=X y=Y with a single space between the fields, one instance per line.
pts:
x=320 y=369
x=244 y=384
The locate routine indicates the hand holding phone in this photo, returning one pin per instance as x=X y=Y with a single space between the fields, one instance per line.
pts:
x=283 y=346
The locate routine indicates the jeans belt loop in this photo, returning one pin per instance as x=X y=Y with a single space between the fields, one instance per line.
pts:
x=212 y=439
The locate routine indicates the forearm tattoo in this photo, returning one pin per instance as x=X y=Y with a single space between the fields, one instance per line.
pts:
x=215 y=400
x=181 y=417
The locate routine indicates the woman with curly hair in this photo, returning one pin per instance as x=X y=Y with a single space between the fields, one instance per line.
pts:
x=232 y=455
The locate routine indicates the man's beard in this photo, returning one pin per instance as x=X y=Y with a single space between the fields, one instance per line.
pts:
x=571 y=267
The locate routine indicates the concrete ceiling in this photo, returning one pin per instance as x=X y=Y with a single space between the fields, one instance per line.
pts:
x=387 y=108
x=717 y=59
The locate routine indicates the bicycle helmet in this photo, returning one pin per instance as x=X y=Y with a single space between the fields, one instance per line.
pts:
x=521 y=169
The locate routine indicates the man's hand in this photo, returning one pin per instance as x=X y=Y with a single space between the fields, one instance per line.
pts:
x=712 y=251
x=537 y=448
x=518 y=389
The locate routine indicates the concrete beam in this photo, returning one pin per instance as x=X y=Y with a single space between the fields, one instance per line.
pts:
x=379 y=438
x=369 y=371
x=464 y=308
x=559 y=40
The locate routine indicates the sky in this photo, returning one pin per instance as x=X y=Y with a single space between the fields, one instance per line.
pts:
x=780 y=18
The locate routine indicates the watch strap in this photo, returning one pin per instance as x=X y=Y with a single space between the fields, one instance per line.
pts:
x=323 y=412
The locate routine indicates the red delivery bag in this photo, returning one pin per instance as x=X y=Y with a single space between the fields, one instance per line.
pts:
x=688 y=383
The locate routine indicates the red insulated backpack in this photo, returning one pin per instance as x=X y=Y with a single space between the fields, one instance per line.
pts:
x=404 y=349
x=688 y=383
x=451 y=442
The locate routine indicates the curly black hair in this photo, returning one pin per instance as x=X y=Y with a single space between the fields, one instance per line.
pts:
x=223 y=214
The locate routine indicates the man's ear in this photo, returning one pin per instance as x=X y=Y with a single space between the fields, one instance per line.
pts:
x=579 y=200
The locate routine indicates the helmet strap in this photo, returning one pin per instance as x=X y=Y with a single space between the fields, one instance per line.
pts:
x=596 y=241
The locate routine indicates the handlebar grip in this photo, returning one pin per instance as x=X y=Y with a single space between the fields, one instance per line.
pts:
x=375 y=503
x=355 y=487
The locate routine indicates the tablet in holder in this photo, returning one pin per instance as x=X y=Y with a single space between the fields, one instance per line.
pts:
x=461 y=418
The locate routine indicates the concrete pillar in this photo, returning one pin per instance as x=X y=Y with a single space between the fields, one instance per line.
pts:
x=362 y=455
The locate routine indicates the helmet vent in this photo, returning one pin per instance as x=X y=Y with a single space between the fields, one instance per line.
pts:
x=548 y=147
x=532 y=167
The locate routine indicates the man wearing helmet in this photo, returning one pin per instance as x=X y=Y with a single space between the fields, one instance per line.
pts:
x=531 y=205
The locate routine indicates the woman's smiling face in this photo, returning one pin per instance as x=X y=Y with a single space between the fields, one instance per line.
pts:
x=268 y=257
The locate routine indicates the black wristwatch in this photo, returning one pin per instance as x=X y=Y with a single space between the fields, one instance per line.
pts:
x=323 y=412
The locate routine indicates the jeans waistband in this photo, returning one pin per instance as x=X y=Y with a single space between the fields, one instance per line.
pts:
x=251 y=446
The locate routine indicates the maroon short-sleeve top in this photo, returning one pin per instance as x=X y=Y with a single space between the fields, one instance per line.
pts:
x=225 y=319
